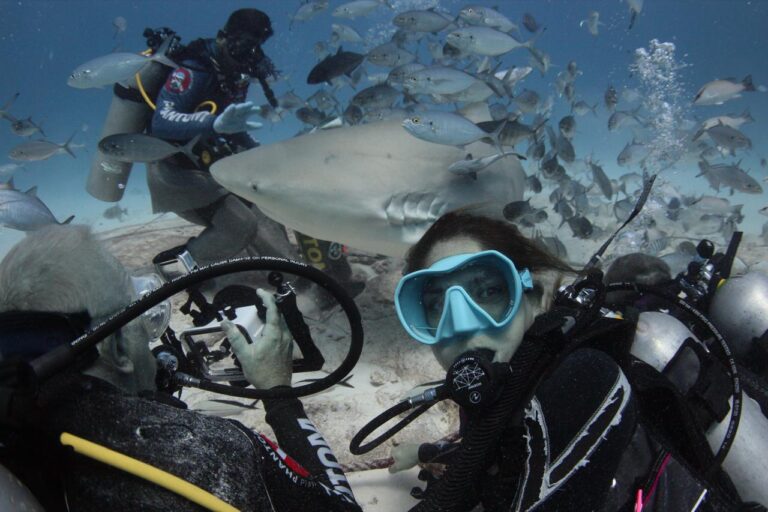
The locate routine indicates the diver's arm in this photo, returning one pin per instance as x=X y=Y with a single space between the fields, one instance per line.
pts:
x=298 y=436
x=175 y=117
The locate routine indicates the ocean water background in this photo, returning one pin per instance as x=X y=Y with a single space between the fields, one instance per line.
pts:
x=42 y=42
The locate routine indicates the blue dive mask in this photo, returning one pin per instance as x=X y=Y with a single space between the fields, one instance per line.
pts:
x=460 y=295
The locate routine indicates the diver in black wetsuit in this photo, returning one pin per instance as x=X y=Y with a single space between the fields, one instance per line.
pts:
x=565 y=405
x=206 y=97
x=63 y=280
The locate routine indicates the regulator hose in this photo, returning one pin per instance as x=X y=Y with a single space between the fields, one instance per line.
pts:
x=61 y=357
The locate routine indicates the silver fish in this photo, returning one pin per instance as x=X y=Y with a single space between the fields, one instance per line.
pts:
x=36 y=150
x=581 y=107
x=567 y=126
x=600 y=179
x=290 y=101
x=540 y=60
x=422 y=21
x=592 y=22
x=24 y=211
x=389 y=55
x=26 y=127
x=530 y=22
x=357 y=8
x=488 y=17
x=623 y=117
x=611 y=97
x=728 y=138
x=397 y=75
x=633 y=152
x=512 y=76
x=730 y=120
x=447 y=128
x=308 y=10
x=137 y=147
x=635 y=7
x=376 y=97
x=527 y=100
x=115 y=212
x=478 y=91
x=344 y=33
x=718 y=92
x=731 y=176
x=120 y=24
x=716 y=205
x=471 y=166
x=438 y=80
x=484 y=41
x=115 y=68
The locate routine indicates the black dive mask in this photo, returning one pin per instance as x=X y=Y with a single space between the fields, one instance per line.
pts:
x=245 y=50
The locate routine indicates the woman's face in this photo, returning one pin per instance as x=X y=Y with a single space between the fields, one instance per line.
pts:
x=489 y=291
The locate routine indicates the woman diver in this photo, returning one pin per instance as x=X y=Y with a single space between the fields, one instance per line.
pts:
x=550 y=415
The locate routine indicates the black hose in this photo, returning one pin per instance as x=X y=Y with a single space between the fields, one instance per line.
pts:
x=268 y=92
x=60 y=358
x=357 y=449
x=733 y=424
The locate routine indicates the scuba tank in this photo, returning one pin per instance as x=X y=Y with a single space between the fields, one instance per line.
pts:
x=665 y=343
x=130 y=112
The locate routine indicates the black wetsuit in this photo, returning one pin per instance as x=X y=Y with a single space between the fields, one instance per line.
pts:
x=583 y=444
x=223 y=457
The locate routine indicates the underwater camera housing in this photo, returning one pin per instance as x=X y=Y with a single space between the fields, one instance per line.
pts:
x=187 y=362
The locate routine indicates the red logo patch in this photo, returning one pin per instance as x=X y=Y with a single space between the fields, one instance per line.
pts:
x=179 y=81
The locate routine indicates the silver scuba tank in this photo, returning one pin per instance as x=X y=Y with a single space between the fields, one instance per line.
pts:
x=14 y=495
x=663 y=342
x=128 y=113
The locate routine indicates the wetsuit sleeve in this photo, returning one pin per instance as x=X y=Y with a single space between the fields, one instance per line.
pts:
x=298 y=437
x=175 y=117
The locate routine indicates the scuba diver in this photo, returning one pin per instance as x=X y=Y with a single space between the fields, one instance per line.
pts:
x=205 y=99
x=567 y=404
x=59 y=282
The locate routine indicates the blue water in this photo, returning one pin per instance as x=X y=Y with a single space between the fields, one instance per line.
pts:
x=41 y=42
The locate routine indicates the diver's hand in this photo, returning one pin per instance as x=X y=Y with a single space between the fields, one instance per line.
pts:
x=267 y=361
x=406 y=456
x=234 y=119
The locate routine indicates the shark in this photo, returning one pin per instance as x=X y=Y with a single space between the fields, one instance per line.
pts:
x=372 y=187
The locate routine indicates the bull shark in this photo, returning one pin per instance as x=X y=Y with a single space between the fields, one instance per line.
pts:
x=373 y=187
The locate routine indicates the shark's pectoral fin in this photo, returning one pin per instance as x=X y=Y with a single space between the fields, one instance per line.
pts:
x=414 y=208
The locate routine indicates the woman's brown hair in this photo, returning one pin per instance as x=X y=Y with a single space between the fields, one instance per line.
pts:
x=492 y=234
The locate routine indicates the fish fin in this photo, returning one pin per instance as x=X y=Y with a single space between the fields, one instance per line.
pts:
x=473 y=174
x=188 y=147
x=10 y=184
x=66 y=147
x=161 y=56
x=31 y=191
x=747 y=83
x=496 y=135
x=67 y=220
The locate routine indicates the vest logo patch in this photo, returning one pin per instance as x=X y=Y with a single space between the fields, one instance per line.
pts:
x=179 y=81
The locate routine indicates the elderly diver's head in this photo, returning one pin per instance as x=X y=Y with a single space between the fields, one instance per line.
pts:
x=474 y=283
x=65 y=269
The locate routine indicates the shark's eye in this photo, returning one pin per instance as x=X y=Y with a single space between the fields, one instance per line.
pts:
x=415 y=120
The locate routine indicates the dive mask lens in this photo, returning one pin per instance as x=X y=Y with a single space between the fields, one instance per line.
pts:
x=156 y=319
x=460 y=295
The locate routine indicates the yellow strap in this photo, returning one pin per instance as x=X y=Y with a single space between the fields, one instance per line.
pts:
x=147 y=472
x=144 y=93
x=208 y=103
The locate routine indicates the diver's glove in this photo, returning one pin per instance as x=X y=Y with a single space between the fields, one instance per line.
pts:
x=406 y=456
x=267 y=361
x=234 y=119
